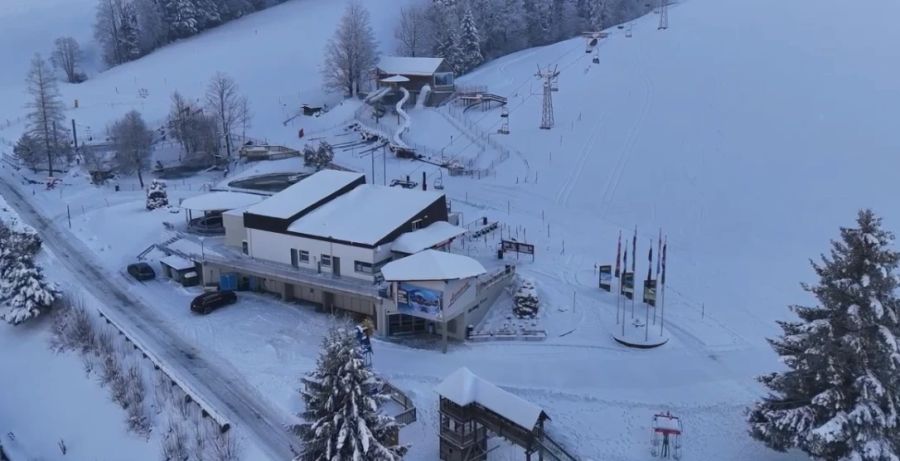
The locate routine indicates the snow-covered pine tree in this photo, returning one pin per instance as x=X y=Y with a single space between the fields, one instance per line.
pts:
x=343 y=397
x=526 y=301
x=157 y=197
x=318 y=157
x=470 y=43
x=129 y=32
x=838 y=400
x=181 y=17
x=23 y=289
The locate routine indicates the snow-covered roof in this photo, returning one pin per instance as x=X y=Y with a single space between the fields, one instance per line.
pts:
x=395 y=79
x=402 y=65
x=304 y=194
x=432 y=265
x=463 y=387
x=217 y=201
x=435 y=234
x=366 y=214
x=177 y=262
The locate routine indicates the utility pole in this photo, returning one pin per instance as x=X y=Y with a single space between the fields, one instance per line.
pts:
x=549 y=76
x=504 y=120
x=74 y=135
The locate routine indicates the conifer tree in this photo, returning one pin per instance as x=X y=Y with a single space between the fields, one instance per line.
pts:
x=23 y=289
x=470 y=43
x=839 y=398
x=342 y=397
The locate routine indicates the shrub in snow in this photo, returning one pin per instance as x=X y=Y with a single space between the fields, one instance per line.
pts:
x=838 y=400
x=221 y=447
x=157 y=197
x=175 y=443
x=318 y=157
x=342 y=415
x=138 y=421
x=73 y=328
x=525 y=300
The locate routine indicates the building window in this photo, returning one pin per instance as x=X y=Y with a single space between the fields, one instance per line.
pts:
x=417 y=224
x=245 y=248
x=326 y=260
x=294 y=258
x=443 y=78
x=304 y=256
x=360 y=266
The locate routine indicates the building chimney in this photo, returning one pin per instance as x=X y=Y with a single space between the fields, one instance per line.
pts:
x=424 y=183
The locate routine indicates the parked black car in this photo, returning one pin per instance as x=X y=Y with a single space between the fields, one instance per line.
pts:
x=141 y=271
x=208 y=302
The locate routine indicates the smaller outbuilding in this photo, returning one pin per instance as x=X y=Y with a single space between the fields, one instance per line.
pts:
x=416 y=73
x=180 y=270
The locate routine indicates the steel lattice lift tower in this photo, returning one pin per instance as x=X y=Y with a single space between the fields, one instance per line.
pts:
x=663 y=14
x=549 y=77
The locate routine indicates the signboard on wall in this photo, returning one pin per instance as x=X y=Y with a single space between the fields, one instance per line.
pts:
x=460 y=295
x=419 y=301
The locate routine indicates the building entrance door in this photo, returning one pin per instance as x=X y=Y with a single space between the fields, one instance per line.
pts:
x=336 y=266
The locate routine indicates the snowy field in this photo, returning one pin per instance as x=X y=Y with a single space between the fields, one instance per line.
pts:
x=742 y=131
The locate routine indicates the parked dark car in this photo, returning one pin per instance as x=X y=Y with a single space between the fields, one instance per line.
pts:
x=141 y=271
x=208 y=302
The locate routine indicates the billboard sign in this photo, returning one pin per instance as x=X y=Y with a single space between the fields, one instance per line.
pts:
x=517 y=247
x=650 y=292
x=419 y=301
x=606 y=277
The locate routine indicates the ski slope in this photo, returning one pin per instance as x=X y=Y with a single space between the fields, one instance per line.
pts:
x=748 y=131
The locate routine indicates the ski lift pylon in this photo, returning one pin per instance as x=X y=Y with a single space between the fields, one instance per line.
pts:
x=665 y=436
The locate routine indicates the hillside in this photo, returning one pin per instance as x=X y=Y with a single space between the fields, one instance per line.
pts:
x=747 y=131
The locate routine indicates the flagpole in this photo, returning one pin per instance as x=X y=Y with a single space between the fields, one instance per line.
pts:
x=658 y=260
x=618 y=258
x=662 y=312
x=633 y=272
x=647 y=305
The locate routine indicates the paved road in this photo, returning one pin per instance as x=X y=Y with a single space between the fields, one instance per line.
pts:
x=216 y=381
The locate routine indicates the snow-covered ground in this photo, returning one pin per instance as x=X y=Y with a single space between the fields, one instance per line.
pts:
x=747 y=131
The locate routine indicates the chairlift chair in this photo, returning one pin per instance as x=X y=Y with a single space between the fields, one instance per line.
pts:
x=438 y=184
x=665 y=436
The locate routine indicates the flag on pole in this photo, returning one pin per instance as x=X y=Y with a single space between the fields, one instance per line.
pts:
x=650 y=260
x=663 y=280
x=658 y=252
x=634 y=250
x=624 y=270
x=618 y=254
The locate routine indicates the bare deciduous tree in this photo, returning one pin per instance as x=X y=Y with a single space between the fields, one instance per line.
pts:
x=351 y=53
x=197 y=132
x=229 y=107
x=46 y=110
x=133 y=142
x=412 y=31
x=66 y=56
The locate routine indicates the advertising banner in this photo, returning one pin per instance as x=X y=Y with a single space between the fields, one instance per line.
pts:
x=606 y=277
x=419 y=301
x=650 y=292
x=459 y=295
x=628 y=284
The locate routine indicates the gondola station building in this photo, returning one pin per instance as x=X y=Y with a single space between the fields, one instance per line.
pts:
x=326 y=240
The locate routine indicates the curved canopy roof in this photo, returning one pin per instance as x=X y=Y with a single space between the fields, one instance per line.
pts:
x=220 y=201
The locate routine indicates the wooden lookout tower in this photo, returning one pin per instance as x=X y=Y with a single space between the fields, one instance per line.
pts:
x=471 y=408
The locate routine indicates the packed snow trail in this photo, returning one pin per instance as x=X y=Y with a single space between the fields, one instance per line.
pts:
x=214 y=379
x=398 y=136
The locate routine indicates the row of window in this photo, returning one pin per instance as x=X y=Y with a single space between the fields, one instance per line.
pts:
x=302 y=257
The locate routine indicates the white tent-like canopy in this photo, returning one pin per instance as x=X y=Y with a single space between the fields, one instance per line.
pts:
x=463 y=388
x=395 y=79
x=432 y=265
x=221 y=201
